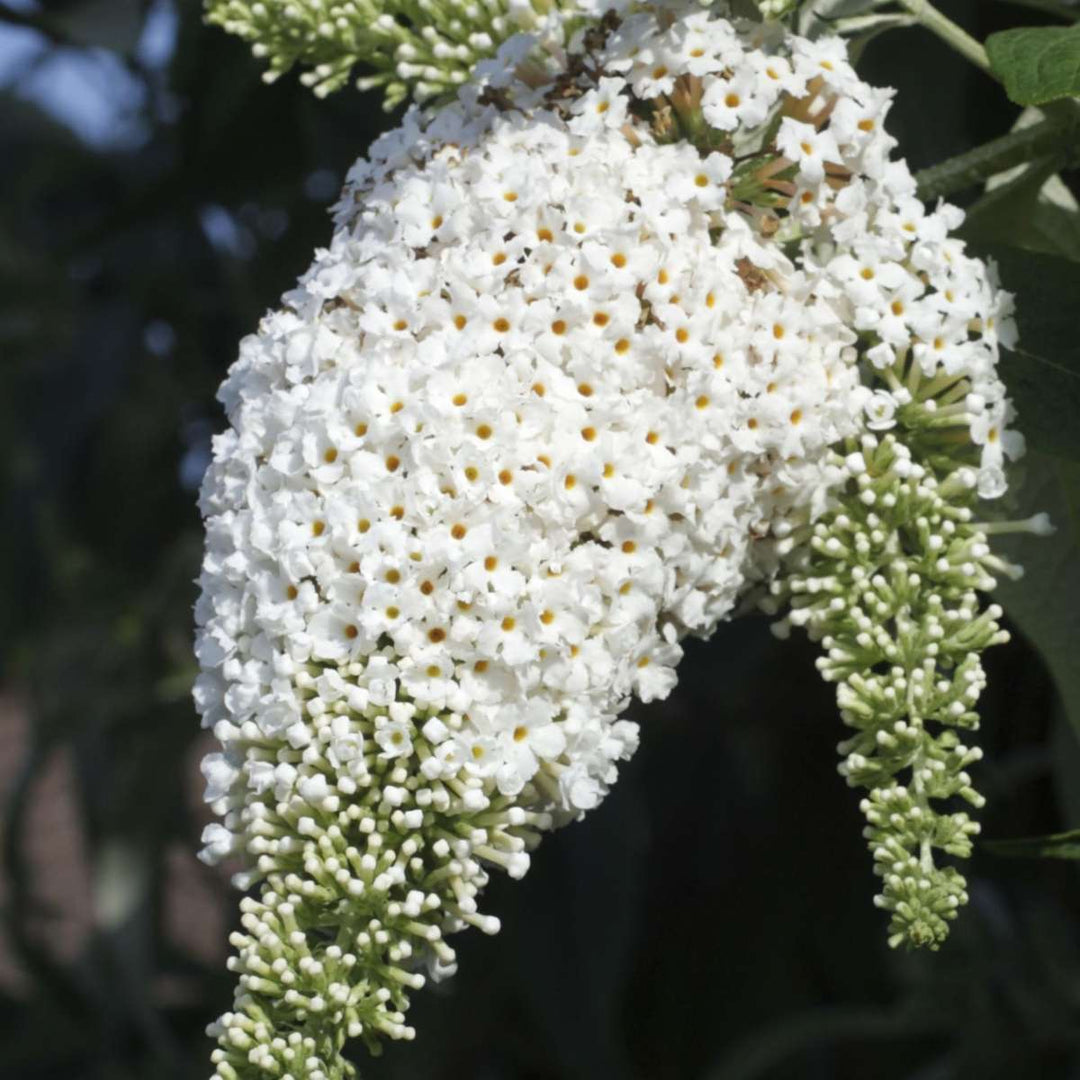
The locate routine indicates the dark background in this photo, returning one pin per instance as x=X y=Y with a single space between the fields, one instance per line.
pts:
x=712 y=921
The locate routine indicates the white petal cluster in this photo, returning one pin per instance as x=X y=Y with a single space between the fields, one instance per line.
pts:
x=523 y=424
x=519 y=426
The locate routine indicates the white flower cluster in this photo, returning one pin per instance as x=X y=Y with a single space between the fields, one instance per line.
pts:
x=518 y=428
x=523 y=425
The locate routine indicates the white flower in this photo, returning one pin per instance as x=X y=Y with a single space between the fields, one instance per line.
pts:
x=395 y=739
x=603 y=107
x=808 y=147
x=220 y=775
x=533 y=416
x=531 y=739
x=745 y=98
x=579 y=791
x=218 y=843
x=460 y=456
x=703 y=181
x=880 y=411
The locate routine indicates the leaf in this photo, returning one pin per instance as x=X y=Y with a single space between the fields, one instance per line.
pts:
x=1043 y=371
x=1037 y=64
x=1021 y=213
x=999 y=160
x=1047 y=398
x=1064 y=845
x=1046 y=288
x=1061 y=9
x=1045 y=604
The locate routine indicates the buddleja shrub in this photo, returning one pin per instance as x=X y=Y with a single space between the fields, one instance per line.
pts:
x=645 y=326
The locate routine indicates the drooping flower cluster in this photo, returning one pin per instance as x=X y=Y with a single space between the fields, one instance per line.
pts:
x=423 y=47
x=889 y=583
x=569 y=380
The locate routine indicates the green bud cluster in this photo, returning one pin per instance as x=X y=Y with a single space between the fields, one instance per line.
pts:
x=888 y=581
x=777 y=9
x=355 y=894
x=426 y=48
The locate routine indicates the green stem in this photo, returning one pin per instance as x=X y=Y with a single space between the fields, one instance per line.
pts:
x=975 y=166
x=954 y=36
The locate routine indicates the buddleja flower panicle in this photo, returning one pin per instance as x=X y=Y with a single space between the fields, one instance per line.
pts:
x=564 y=388
x=889 y=584
x=361 y=877
x=423 y=48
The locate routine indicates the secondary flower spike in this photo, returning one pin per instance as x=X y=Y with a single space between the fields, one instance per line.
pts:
x=425 y=48
x=589 y=359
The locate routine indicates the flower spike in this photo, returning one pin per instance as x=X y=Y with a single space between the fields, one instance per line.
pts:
x=592 y=358
x=889 y=585
x=422 y=48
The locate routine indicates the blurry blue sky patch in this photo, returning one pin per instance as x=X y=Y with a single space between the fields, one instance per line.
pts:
x=225 y=232
x=102 y=95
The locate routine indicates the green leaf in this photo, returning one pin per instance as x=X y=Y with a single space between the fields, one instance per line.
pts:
x=1019 y=213
x=1019 y=147
x=1045 y=604
x=1064 y=845
x=1037 y=64
x=1043 y=371
x=1046 y=288
x=1047 y=398
x=1061 y=9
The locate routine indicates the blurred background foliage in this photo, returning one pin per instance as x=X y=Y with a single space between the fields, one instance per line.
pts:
x=713 y=921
